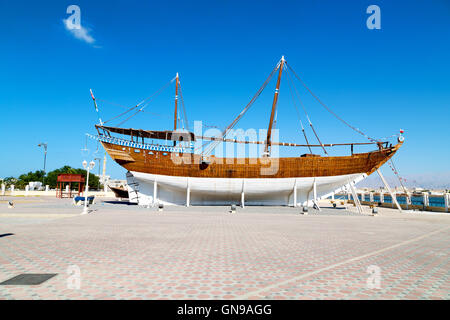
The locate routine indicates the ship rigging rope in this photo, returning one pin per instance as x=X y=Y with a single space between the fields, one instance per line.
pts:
x=306 y=113
x=148 y=99
x=121 y=123
x=118 y=116
x=298 y=114
x=154 y=113
x=183 y=106
x=156 y=92
x=212 y=145
x=394 y=169
x=328 y=109
x=144 y=111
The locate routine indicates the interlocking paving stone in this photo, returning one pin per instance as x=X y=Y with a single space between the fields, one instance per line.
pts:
x=128 y=252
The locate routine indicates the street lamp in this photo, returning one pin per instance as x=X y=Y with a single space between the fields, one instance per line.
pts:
x=98 y=172
x=44 y=145
x=87 y=167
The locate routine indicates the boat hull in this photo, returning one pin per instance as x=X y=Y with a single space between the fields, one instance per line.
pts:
x=262 y=181
x=119 y=192
x=173 y=190
x=136 y=159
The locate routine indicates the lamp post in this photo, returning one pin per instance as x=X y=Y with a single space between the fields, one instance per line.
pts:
x=98 y=172
x=87 y=167
x=44 y=145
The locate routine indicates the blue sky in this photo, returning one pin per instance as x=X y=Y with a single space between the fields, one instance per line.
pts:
x=378 y=80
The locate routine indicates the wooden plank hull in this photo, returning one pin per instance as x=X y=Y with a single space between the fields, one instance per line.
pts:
x=190 y=165
x=182 y=180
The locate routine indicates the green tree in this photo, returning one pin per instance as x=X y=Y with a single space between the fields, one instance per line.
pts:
x=24 y=179
x=10 y=181
x=50 y=179
x=52 y=176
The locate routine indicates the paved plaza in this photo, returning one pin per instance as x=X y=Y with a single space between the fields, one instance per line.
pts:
x=122 y=251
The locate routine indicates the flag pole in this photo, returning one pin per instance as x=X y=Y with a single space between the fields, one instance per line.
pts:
x=96 y=107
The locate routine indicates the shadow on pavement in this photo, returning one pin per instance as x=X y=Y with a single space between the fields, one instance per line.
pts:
x=121 y=202
x=6 y=235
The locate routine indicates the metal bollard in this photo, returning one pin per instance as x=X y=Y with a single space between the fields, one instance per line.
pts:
x=447 y=201
x=233 y=208
x=160 y=207
x=305 y=210
x=374 y=211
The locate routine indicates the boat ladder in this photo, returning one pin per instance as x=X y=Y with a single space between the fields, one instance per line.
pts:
x=355 y=198
x=134 y=185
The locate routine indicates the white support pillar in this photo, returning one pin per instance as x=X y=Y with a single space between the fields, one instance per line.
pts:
x=67 y=188
x=363 y=196
x=371 y=197
x=381 y=196
x=332 y=196
x=12 y=189
x=394 y=199
x=447 y=201
x=426 y=201
x=315 y=195
x=155 y=192
x=243 y=194
x=295 y=193
x=47 y=188
x=27 y=189
x=408 y=200
x=314 y=190
x=3 y=189
x=188 y=193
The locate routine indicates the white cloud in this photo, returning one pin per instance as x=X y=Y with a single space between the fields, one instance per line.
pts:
x=80 y=33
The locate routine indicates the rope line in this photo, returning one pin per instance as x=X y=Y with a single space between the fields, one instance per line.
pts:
x=212 y=145
x=118 y=116
x=150 y=112
x=298 y=114
x=306 y=113
x=328 y=109
x=148 y=99
x=121 y=123
x=394 y=169
x=156 y=92
x=183 y=106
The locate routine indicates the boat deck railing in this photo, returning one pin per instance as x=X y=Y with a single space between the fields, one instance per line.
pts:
x=137 y=145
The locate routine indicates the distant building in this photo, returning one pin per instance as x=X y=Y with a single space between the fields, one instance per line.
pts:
x=34 y=185
x=117 y=183
x=107 y=181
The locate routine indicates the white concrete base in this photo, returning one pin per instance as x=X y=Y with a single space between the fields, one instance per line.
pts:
x=172 y=190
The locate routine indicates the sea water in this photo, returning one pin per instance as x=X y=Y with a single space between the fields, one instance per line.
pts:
x=415 y=200
x=433 y=201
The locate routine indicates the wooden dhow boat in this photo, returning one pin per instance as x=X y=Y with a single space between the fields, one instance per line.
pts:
x=119 y=192
x=176 y=172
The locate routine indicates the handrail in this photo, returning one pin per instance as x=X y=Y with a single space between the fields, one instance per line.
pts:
x=137 y=145
x=287 y=144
